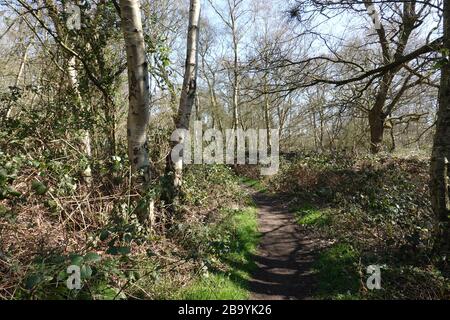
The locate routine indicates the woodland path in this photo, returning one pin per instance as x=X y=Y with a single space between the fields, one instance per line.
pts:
x=285 y=254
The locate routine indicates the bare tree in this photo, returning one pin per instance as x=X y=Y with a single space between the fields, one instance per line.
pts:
x=232 y=19
x=209 y=69
x=396 y=25
x=188 y=91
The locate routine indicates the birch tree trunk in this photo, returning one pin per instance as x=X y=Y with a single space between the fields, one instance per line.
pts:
x=74 y=85
x=139 y=102
x=188 y=91
x=18 y=77
x=211 y=83
x=85 y=136
x=198 y=116
x=235 y=75
x=440 y=167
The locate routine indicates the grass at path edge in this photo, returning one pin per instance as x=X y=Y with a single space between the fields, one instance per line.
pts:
x=232 y=284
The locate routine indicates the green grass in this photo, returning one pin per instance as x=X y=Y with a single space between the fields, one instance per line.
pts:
x=336 y=269
x=254 y=184
x=215 y=287
x=337 y=273
x=311 y=216
x=232 y=284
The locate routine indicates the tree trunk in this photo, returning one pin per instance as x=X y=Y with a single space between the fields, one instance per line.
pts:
x=267 y=118
x=440 y=168
x=139 y=97
x=19 y=75
x=197 y=108
x=235 y=102
x=235 y=77
x=215 y=108
x=376 y=115
x=74 y=85
x=85 y=136
x=376 y=124
x=268 y=121
x=393 y=146
x=188 y=91
x=321 y=126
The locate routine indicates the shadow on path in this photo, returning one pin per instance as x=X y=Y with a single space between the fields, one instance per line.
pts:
x=285 y=254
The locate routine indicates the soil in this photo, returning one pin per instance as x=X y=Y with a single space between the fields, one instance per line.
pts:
x=285 y=255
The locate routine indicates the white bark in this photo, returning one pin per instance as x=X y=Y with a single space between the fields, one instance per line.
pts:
x=85 y=136
x=74 y=85
x=22 y=65
x=138 y=84
x=189 y=88
x=235 y=76
x=18 y=77
x=139 y=99
x=188 y=91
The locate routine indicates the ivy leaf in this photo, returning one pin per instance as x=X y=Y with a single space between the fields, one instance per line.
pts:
x=104 y=235
x=62 y=275
x=124 y=250
x=39 y=188
x=118 y=250
x=86 y=272
x=13 y=192
x=92 y=257
x=32 y=281
x=76 y=260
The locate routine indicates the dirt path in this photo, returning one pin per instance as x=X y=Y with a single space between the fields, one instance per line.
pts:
x=285 y=254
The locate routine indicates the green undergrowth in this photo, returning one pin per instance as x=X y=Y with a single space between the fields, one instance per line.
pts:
x=119 y=257
x=255 y=184
x=342 y=274
x=308 y=215
x=376 y=211
x=233 y=245
x=337 y=274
